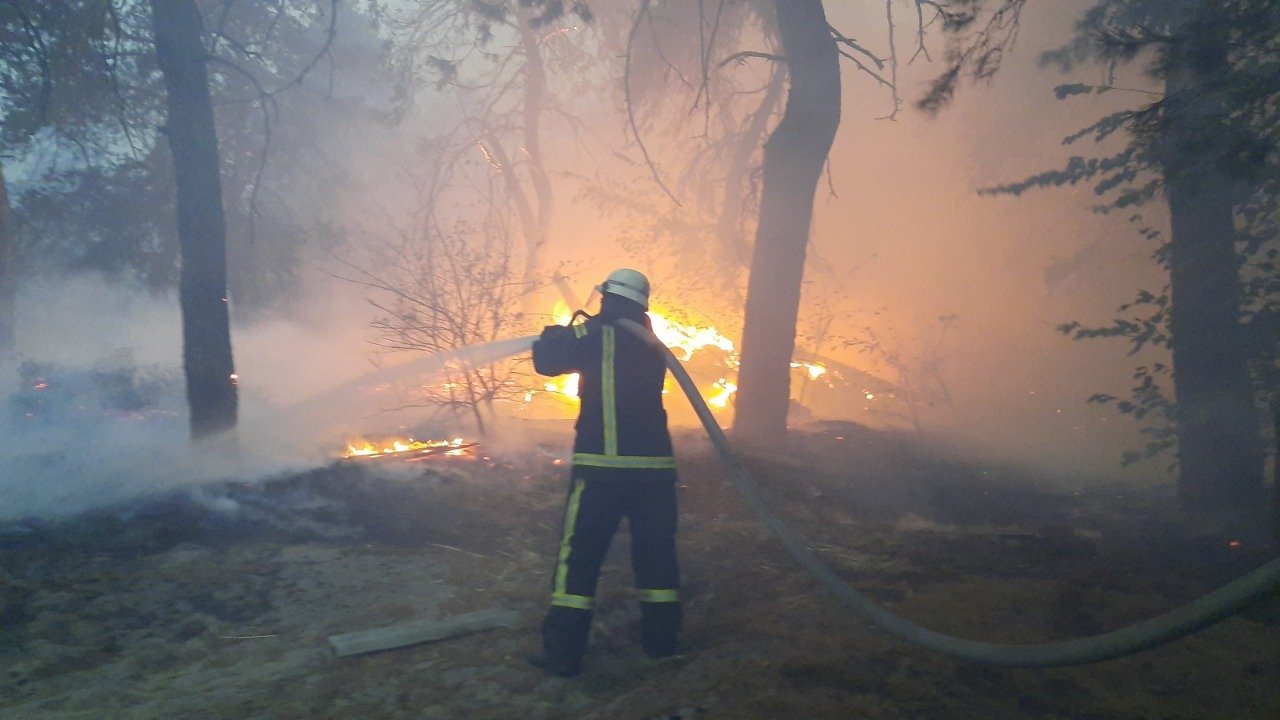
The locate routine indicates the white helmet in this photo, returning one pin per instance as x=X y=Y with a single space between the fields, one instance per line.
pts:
x=628 y=283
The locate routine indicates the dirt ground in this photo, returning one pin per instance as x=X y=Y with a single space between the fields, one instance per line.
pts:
x=218 y=603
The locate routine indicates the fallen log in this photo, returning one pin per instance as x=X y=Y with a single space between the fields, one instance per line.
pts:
x=420 y=631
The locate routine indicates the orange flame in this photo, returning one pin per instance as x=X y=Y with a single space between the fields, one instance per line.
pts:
x=683 y=339
x=456 y=447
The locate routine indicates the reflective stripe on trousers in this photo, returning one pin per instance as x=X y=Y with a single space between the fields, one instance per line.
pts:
x=593 y=512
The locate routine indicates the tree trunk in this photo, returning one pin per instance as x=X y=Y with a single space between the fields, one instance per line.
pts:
x=193 y=142
x=794 y=157
x=8 y=273
x=1218 y=422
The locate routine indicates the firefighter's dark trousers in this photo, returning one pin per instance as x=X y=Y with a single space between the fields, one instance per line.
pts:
x=596 y=504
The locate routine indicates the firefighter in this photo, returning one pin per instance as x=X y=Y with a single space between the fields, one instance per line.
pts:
x=622 y=467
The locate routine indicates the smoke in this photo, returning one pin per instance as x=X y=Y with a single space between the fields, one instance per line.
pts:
x=373 y=402
x=93 y=412
x=901 y=229
x=92 y=403
x=913 y=241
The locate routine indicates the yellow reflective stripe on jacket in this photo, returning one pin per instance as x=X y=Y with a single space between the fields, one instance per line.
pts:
x=658 y=595
x=609 y=398
x=579 y=331
x=570 y=521
x=579 y=602
x=637 y=462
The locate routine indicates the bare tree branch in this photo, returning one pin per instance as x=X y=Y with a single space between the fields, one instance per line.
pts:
x=631 y=114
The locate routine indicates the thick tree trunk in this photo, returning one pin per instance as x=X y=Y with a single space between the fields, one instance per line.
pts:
x=211 y=387
x=8 y=273
x=1219 y=443
x=794 y=158
x=1218 y=422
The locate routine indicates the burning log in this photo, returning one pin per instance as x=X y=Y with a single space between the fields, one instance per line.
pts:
x=410 y=449
x=451 y=450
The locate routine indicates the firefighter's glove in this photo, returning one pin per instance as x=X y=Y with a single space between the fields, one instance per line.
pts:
x=552 y=332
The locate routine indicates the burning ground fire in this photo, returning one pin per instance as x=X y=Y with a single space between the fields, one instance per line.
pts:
x=409 y=449
x=685 y=341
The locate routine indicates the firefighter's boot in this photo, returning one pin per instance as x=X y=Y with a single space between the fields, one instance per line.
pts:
x=660 y=628
x=564 y=641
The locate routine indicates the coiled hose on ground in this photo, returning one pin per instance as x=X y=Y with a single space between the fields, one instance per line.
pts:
x=1196 y=615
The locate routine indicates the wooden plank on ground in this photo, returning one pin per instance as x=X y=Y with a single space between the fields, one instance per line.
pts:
x=420 y=631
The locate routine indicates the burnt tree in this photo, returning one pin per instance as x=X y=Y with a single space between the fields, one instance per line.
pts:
x=206 y=349
x=794 y=157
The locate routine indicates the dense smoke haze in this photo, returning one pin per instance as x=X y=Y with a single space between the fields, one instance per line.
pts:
x=903 y=247
x=909 y=233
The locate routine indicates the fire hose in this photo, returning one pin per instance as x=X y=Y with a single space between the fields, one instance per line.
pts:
x=1191 y=617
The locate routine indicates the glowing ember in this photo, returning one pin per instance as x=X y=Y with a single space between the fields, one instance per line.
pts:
x=456 y=447
x=814 y=370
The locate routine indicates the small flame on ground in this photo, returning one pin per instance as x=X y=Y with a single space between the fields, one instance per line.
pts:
x=814 y=370
x=364 y=448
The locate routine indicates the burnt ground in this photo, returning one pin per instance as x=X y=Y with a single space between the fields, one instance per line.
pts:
x=218 y=603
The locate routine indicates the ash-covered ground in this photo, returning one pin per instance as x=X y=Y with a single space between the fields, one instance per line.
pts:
x=217 y=601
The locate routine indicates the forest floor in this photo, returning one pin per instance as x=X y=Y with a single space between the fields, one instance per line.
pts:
x=217 y=603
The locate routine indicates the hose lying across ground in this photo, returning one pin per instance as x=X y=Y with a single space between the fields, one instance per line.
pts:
x=1196 y=615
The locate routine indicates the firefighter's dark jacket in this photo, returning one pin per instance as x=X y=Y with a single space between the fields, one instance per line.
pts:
x=621 y=421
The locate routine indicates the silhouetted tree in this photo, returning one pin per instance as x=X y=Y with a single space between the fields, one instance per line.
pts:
x=1207 y=146
x=1219 y=444
x=193 y=143
x=794 y=158
x=795 y=155
x=80 y=73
